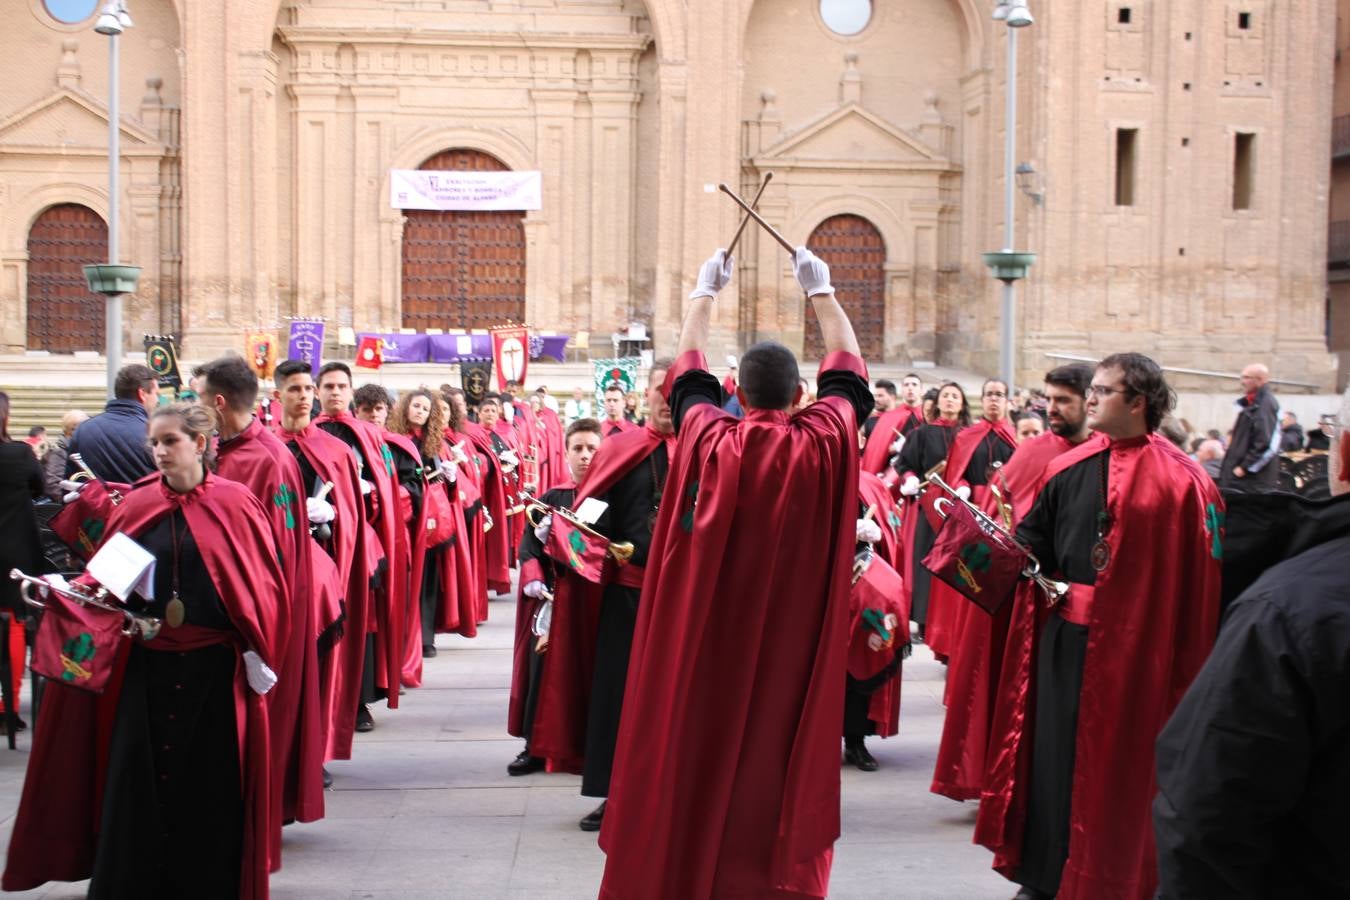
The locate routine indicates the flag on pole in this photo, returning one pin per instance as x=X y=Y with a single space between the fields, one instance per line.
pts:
x=368 y=355
x=511 y=353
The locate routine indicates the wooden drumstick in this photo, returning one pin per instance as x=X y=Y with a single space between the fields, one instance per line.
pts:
x=792 y=251
x=745 y=220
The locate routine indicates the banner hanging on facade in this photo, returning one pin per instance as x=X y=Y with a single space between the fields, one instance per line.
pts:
x=260 y=352
x=306 y=343
x=622 y=371
x=446 y=190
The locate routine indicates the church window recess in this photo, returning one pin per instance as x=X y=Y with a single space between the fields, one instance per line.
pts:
x=1126 y=139
x=846 y=17
x=70 y=12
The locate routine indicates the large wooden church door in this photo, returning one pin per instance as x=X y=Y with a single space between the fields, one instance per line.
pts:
x=63 y=314
x=463 y=269
x=856 y=255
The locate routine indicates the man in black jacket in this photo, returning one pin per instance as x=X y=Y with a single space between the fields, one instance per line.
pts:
x=1249 y=464
x=113 y=443
x=1254 y=766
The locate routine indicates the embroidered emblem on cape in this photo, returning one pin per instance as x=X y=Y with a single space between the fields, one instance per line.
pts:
x=687 y=520
x=576 y=546
x=387 y=455
x=1214 y=521
x=284 y=500
x=973 y=558
x=91 y=532
x=74 y=653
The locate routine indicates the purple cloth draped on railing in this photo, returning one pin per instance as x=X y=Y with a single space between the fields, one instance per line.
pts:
x=399 y=348
x=454 y=348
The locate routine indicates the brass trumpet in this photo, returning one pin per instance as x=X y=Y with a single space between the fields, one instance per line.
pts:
x=87 y=474
x=137 y=625
x=622 y=551
x=1054 y=590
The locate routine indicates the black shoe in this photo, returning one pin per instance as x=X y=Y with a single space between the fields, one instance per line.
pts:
x=1030 y=893
x=524 y=764
x=857 y=755
x=428 y=651
x=327 y=778
x=364 y=721
x=594 y=818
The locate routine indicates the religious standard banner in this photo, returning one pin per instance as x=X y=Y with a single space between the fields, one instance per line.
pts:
x=161 y=355
x=459 y=348
x=306 y=343
x=475 y=376
x=399 y=348
x=454 y=190
x=622 y=371
x=511 y=354
x=260 y=352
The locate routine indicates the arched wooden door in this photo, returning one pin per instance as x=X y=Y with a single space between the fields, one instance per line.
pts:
x=463 y=269
x=856 y=255
x=63 y=314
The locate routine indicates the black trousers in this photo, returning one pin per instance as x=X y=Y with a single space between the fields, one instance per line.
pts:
x=924 y=538
x=1059 y=685
x=431 y=590
x=532 y=690
x=613 y=645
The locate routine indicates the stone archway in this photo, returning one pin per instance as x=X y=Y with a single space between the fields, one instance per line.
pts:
x=463 y=269
x=63 y=315
x=856 y=254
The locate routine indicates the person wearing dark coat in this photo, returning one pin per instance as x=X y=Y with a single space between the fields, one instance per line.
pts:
x=113 y=443
x=20 y=483
x=1254 y=765
x=1249 y=464
x=1291 y=433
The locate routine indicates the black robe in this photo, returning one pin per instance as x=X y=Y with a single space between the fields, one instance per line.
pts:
x=531 y=549
x=923 y=449
x=173 y=809
x=1061 y=529
x=631 y=514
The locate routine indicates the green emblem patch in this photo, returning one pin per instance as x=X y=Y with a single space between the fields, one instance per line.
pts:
x=284 y=500
x=74 y=654
x=687 y=520
x=1214 y=519
x=388 y=458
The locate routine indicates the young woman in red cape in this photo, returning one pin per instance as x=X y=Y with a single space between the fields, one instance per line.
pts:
x=159 y=787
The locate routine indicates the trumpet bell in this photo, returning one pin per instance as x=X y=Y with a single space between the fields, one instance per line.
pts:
x=622 y=552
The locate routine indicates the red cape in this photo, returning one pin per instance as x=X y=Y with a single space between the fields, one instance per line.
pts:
x=340 y=682
x=386 y=604
x=945 y=604
x=610 y=429
x=884 y=706
x=554 y=470
x=1154 y=619
x=978 y=655
x=911 y=509
x=257 y=459
x=565 y=683
x=412 y=560
x=497 y=549
x=877 y=454
x=726 y=775
x=55 y=833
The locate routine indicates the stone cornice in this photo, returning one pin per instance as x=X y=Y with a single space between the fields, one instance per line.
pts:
x=500 y=40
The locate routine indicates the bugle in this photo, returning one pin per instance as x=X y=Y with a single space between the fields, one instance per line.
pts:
x=137 y=624
x=1054 y=590
x=622 y=551
x=87 y=474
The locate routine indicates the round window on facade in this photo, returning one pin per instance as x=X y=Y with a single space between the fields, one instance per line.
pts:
x=846 y=17
x=70 y=12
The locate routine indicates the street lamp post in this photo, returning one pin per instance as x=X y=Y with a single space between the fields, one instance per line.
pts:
x=113 y=279
x=1007 y=264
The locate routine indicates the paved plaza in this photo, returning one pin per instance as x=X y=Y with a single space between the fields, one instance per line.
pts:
x=425 y=808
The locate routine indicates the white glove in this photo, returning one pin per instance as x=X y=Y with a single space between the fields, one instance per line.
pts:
x=910 y=487
x=897 y=445
x=508 y=412
x=541 y=531
x=261 y=678
x=963 y=492
x=714 y=275
x=812 y=274
x=510 y=458
x=450 y=470
x=72 y=488
x=869 y=532
x=534 y=589
x=367 y=487
x=320 y=511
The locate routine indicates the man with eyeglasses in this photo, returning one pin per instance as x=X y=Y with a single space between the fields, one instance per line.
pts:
x=975 y=452
x=978 y=652
x=1135 y=527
